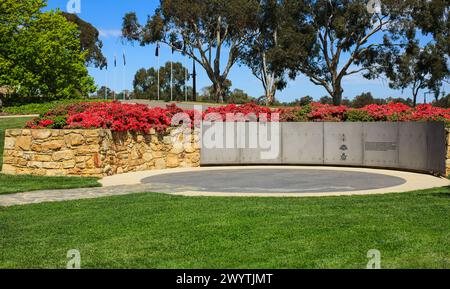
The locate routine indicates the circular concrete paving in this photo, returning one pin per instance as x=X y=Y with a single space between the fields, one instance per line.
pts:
x=273 y=181
x=276 y=181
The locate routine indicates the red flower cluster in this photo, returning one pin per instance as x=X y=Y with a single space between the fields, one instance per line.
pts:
x=236 y=113
x=389 y=112
x=402 y=112
x=141 y=118
x=113 y=115
x=326 y=112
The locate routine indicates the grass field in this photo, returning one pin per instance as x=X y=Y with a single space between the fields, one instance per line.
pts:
x=411 y=230
x=16 y=184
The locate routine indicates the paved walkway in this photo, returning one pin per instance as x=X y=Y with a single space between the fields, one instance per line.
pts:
x=18 y=116
x=36 y=197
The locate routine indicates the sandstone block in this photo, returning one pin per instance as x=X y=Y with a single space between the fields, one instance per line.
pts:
x=74 y=139
x=172 y=161
x=63 y=155
x=8 y=169
x=10 y=143
x=41 y=133
x=42 y=158
x=160 y=164
x=23 y=142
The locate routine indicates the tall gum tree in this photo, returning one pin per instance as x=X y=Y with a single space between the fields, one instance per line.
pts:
x=329 y=40
x=201 y=30
x=255 y=52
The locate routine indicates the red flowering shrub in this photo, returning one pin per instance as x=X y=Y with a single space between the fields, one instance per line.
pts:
x=113 y=115
x=427 y=112
x=141 y=118
x=389 y=112
x=326 y=112
x=233 y=112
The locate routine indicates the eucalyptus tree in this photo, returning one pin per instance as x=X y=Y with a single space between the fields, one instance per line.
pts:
x=90 y=42
x=416 y=68
x=170 y=78
x=329 y=40
x=201 y=29
x=255 y=52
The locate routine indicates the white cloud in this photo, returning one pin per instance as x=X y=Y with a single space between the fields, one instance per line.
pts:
x=110 y=33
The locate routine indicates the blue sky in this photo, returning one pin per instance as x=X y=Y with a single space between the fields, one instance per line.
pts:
x=106 y=16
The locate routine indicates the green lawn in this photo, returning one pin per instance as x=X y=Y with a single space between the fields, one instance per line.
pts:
x=15 y=184
x=412 y=230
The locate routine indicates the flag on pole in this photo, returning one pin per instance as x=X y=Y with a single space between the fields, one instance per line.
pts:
x=124 y=59
x=157 y=49
x=115 y=60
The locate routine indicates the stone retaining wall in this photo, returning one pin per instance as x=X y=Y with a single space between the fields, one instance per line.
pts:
x=447 y=162
x=98 y=152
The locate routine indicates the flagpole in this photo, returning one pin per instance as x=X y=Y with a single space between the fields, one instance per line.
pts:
x=185 y=78
x=115 y=75
x=171 y=76
x=157 y=56
x=106 y=79
x=123 y=82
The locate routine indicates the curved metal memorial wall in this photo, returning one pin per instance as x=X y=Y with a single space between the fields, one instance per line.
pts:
x=417 y=146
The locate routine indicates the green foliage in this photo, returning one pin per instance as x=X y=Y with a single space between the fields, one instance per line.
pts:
x=356 y=115
x=238 y=96
x=40 y=53
x=254 y=53
x=416 y=68
x=301 y=115
x=443 y=102
x=328 y=41
x=201 y=30
x=364 y=99
x=41 y=108
x=146 y=82
x=89 y=41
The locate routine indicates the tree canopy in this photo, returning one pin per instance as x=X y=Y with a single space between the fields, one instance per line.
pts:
x=254 y=53
x=40 y=53
x=201 y=30
x=89 y=41
x=146 y=82
x=328 y=40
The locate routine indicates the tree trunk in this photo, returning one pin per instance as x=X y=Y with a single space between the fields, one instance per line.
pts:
x=337 y=93
x=219 y=92
x=415 y=92
x=270 y=94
